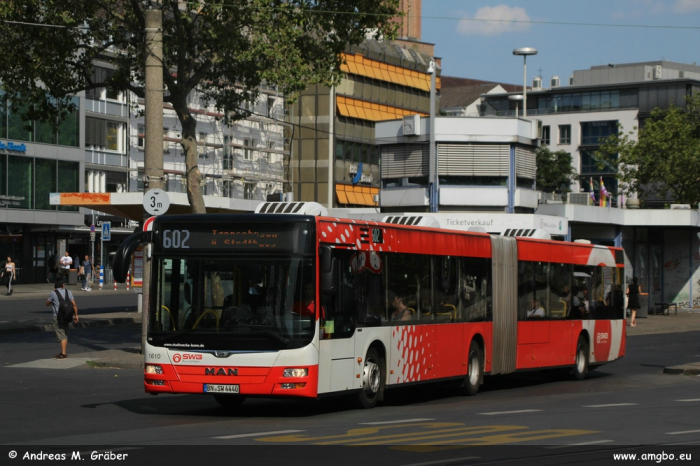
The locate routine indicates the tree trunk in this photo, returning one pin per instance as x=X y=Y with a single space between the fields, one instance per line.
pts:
x=189 y=146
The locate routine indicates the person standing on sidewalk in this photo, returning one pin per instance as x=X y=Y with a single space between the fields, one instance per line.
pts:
x=633 y=292
x=8 y=273
x=61 y=329
x=87 y=274
x=66 y=262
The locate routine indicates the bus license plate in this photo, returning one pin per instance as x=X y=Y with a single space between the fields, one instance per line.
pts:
x=218 y=388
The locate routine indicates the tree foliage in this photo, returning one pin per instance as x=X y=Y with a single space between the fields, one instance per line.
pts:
x=555 y=171
x=664 y=160
x=222 y=48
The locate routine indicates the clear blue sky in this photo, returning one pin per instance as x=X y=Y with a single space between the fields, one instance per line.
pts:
x=568 y=34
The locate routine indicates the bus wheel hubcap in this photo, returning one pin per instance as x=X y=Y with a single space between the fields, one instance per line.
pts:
x=581 y=361
x=371 y=378
x=474 y=370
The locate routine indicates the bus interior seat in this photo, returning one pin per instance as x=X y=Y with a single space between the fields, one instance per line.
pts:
x=448 y=314
x=560 y=311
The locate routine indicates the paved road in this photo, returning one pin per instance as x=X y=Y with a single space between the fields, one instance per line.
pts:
x=540 y=416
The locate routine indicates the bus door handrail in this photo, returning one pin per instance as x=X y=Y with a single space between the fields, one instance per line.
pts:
x=172 y=319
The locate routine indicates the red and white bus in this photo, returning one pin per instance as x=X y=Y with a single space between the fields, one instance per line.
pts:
x=233 y=306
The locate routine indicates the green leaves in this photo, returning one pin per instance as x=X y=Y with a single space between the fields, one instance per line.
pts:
x=225 y=49
x=554 y=170
x=664 y=160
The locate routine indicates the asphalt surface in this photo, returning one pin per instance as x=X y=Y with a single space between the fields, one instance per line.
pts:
x=131 y=358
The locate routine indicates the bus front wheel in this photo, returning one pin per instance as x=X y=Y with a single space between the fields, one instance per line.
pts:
x=372 y=380
x=581 y=361
x=475 y=370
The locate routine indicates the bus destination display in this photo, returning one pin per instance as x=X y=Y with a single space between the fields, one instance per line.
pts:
x=226 y=239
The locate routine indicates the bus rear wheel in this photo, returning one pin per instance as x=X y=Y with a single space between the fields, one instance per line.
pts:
x=581 y=361
x=229 y=401
x=475 y=370
x=372 y=380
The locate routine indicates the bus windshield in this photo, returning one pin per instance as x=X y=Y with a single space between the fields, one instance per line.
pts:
x=236 y=303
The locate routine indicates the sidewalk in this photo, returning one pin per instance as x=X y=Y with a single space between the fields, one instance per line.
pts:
x=40 y=290
x=131 y=358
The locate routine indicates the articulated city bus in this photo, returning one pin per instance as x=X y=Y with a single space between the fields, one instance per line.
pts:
x=285 y=305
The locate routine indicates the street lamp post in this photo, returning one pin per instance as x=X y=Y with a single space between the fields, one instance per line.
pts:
x=525 y=51
x=432 y=157
x=517 y=98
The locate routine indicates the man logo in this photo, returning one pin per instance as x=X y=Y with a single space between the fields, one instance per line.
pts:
x=220 y=371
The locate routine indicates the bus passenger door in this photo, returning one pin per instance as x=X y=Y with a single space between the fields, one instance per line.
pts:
x=336 y=365
x=336 y=325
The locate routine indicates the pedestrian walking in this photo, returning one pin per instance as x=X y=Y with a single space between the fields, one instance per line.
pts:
x=61 y=328
x=633 y=292
x=66 y=262
x=8 y=273
x=87 y=274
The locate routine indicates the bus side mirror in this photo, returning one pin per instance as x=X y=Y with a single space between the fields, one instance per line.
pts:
x=329 y=267
x=122 y=258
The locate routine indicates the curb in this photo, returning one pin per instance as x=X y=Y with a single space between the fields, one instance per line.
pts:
x=682 y=370
x=9 y=328
x=128 y=365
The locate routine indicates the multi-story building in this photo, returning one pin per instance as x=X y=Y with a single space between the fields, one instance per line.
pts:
x=334 y=157
x=597 y=103
x=661 y=245
x=95 y=160
x=36 y=160
x=243 y=161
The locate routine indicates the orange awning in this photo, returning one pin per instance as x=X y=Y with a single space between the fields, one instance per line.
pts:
x=363 y=66
x=356 y=195
x=362 y=110
x=342 y=198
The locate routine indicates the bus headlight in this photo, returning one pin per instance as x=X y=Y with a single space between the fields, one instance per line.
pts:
x=296 y=372
x=153 y=369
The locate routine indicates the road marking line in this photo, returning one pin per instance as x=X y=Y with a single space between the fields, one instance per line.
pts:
x=511 y=412
x=594 y=442
x=394 y=422
x=693 y=399
x=360 y=432
x=259 y=434
x=454 y=460
x=610 y=405
x=370 y=438
x=683 y=432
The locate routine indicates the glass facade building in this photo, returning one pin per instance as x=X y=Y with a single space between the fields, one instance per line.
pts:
x=334 y=158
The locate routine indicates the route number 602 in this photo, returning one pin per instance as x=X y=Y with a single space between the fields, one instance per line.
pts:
x=176 y=239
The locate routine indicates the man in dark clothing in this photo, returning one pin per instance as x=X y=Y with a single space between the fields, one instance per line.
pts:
x=61 y=329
